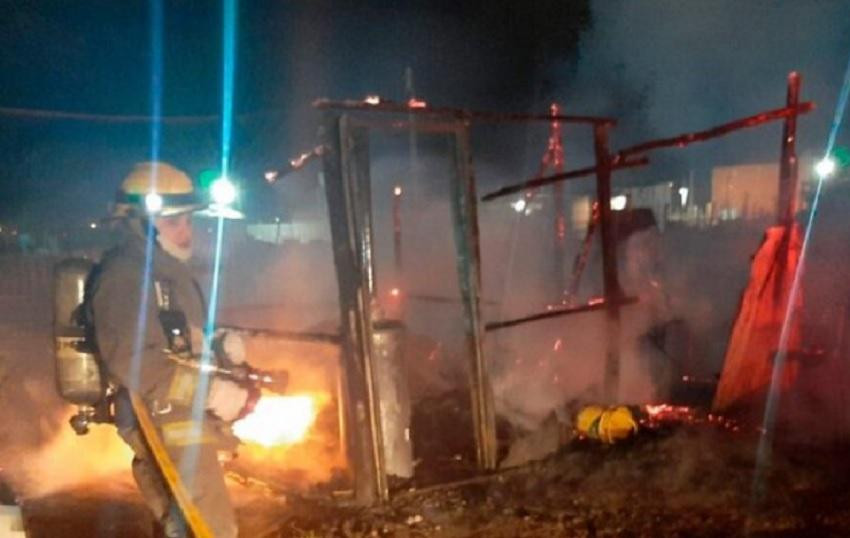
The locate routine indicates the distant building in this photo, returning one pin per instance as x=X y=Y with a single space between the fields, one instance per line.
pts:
x=744 y=191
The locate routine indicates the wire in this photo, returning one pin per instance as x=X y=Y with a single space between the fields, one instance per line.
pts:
x=34 y=113
x=44 y=114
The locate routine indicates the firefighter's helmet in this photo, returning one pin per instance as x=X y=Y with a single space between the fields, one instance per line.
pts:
x=156 y=189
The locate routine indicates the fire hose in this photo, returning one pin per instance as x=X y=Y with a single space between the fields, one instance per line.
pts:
x=170 y=475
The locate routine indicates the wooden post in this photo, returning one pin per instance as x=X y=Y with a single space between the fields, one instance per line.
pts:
x=343 y=165
x=611 y=280
x=465 y=217
x=555 y=158
x=788 y=178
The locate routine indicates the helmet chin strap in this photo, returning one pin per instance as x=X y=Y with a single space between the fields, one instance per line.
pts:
x=182 y=254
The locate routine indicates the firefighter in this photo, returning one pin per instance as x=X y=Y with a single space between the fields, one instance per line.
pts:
x=136 y=343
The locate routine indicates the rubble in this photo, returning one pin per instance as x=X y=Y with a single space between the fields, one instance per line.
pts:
x=683 y=475
x=693 y=481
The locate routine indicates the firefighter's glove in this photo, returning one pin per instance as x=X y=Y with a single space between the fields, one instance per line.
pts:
x=226 y=399
x=229 y=345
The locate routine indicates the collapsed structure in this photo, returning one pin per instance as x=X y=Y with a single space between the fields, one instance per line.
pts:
x=347 y=127
x=376 y=425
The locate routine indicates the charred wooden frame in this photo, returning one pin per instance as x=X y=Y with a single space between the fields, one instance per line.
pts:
x=631 y=157
x=347 y=188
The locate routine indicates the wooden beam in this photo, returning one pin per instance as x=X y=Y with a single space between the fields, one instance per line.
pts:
x=388 y=106
x=555 y=313
x=536 y=182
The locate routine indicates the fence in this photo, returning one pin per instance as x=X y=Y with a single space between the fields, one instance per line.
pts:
x=25 y=288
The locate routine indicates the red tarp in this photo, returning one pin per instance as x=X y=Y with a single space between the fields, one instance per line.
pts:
x=748 y=364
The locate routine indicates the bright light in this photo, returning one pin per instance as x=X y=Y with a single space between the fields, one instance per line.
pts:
x=395 y=292
x=153 y=202
x=278 y=420
x=519 y=205
x=223 y=191
x=93 y=225
x=825 y=167
x=683 y=194
x=416 y=103
x=373 y=100
x=271 y=175
x=397 y=190
x=618 y=203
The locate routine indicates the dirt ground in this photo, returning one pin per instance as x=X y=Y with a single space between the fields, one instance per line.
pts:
x=689 y=481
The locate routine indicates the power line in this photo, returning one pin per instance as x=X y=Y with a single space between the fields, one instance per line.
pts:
x=34 y=113
x=104 y=118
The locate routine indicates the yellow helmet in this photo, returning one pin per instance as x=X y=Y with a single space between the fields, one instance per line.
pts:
x=156 y=189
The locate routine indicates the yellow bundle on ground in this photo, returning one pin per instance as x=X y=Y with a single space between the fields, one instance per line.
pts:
x=608 y=425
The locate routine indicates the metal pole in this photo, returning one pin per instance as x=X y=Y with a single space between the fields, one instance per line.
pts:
x=397 y=192
x=611 y=281
x=416 y=190
x=465 y=217
x=788 y=181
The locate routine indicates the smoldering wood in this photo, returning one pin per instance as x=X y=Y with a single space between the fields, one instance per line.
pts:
x=555 y=313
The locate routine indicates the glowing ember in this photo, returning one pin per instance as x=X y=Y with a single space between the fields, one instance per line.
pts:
x=278 y=420
x=653 y=410
x=667 y=414
x=670 y=412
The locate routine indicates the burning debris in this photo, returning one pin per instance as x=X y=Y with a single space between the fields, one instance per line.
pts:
x=353 y=454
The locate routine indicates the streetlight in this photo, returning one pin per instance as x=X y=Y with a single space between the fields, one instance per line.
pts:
x=825 y=167
x=619 y=202
x=223 y=192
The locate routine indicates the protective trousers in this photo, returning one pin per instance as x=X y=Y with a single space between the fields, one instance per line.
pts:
x=195 y=455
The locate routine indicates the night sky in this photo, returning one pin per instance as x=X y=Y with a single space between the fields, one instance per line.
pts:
x=662 y=67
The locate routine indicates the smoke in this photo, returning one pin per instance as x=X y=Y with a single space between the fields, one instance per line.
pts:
x=39 y=451
x=68 y=461
x=42 y=454
x=535 y=367
x=667 y=67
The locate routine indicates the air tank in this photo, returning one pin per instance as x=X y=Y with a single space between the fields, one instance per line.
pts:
x=77 y=372
x=393 y=396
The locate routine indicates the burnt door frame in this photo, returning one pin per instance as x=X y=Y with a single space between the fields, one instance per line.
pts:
x=348 y=193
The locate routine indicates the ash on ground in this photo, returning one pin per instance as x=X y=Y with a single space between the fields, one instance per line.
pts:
x=692 y=481
x=681 y=479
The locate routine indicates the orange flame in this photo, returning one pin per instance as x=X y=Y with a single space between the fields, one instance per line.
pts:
x=280 y=420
